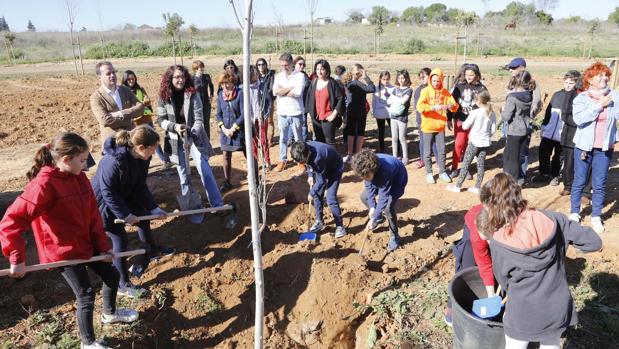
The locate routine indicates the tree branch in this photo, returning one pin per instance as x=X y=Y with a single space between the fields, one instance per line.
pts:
x=238 y=20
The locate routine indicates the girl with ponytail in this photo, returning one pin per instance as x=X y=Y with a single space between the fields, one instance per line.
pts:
x=121 y=192
x=59 y=205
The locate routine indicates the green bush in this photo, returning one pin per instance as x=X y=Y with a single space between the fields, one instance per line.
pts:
x=413 y=46
x=118 y=50
x=292 y=46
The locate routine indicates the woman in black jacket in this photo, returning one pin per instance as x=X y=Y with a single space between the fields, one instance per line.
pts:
x=325 y=103
x=357 y=109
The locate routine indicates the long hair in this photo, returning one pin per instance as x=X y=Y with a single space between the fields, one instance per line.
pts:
x=522 y=80
x=472 y=67
x=126 y=76
x=381 y=76
x=141 y=135
x=166 y=88
x=483 y=99
x=406 y=75
x=325 y=65
x=502 y=199
x=64 y=144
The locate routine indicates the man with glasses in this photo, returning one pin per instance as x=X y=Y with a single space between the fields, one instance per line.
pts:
x=114 y=106
x=288 y=87
x=516 y=66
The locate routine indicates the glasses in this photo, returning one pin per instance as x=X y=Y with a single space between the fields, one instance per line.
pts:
x=301 y=64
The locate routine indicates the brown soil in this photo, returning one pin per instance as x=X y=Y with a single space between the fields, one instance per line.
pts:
x=310 y=288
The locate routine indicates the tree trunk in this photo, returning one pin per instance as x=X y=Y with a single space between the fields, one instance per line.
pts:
x=193 y=46
x=174 y=49
x=312 y=38
x=590 y=47
x=73 y=48
x=79 y=52
x=180 y=47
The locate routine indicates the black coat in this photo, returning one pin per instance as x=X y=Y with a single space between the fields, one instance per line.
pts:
x=336 y=100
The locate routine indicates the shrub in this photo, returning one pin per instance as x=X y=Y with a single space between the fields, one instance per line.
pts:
x=413 y=46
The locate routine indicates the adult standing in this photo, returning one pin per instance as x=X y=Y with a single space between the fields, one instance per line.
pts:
x=114 y=106
x=288 y=87
x=179 y=113
x=357 y=110
x=131 y=80
x=325 y=103
x=516 y=66
x=299 y=65
x=261 y=102
x=596 y=112
x=205 y=89
x=266 y=77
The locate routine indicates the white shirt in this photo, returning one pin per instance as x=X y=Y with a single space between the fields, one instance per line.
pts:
x=115 y=96
x=289 y=106
x=481 y=127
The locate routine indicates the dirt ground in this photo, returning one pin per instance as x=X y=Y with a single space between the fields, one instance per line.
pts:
x=321 y=295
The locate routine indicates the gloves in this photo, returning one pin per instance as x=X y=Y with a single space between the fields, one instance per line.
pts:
x=157 y=211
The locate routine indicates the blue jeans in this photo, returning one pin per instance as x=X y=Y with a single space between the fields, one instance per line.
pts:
x=303 y=129
x=598 y=161
x=284 y=122
x=330 y=185
x=206 y=174
x=434 y=150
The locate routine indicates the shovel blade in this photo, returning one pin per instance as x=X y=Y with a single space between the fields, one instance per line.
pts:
x=191 y=201
x=307 y=236
x=487 y=307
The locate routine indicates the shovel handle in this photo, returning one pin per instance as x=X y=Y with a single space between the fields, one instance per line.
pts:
x=365 y=237
x=180 y=213
x=36 y=267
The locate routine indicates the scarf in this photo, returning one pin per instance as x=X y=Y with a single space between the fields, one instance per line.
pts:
x=596 y=94
x=229 y=95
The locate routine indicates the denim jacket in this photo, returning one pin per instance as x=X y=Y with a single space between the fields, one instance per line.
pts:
x=585 y=113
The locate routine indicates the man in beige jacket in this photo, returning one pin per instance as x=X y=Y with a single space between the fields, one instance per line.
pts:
x=114 y=106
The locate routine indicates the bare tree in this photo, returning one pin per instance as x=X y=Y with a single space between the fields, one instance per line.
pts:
x=593 y=28
x=98 y=9
x=279 y=24
x=193 y=31
x=173 y=23
x=256 y=192
x=311 y=8
x=9 y=39
x=72 y=7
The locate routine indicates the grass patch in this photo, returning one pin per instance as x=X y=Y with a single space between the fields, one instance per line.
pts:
x=206 y=304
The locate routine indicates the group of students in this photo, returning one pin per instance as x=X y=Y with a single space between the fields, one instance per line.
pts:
x=73 y=218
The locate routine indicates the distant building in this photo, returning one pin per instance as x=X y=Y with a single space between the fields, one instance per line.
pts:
x=324 y=20
x=365 y=21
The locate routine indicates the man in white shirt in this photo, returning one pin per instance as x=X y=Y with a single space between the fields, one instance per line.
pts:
x=114 y=106
x=288 y=88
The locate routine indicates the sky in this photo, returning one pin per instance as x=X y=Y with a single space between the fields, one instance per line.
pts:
x=50 y=15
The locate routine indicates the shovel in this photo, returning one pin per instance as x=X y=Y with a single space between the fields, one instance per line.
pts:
x=191 y=200
x=489 y=307
x=308 y=235
x=180 y=213
x=59 y=264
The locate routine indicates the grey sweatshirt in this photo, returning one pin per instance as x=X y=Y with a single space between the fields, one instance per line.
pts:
x=517 y=113
x=530 y=265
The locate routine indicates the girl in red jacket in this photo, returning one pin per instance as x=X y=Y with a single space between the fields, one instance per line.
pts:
x=59 y=205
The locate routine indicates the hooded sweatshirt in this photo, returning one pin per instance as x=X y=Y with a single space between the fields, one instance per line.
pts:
x=517 y=113
x=120 y=183
x=433 y=121
x=62 y=211
x=530 y=265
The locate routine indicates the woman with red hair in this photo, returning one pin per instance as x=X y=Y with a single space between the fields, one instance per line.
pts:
x=179 y=113
x=595 y=112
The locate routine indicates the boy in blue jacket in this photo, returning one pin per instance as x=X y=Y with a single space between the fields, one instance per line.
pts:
x=385 y=177
x=324 y=173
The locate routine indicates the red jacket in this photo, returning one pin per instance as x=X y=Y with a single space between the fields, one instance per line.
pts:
x=62 y=211
x=481 y=249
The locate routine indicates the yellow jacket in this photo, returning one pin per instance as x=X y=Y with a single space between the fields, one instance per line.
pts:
x=434 y=120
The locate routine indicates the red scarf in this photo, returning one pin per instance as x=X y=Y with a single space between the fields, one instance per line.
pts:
x=229 y=95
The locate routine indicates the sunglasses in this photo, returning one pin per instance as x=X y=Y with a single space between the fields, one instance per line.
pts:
x=261 y=65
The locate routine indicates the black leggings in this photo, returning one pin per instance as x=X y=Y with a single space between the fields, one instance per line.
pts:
x=514 y=148
x=381 y=133
x=78 y=280
x=356 y=125
x=324 y=131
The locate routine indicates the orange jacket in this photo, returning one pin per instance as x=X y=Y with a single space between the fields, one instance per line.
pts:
x=434 y=120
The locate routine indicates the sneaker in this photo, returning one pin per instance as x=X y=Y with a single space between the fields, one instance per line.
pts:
x=131 y=291
x=121 y=315
x=393 y=244
x=469 y=176
x=347 y=158
x=574 y=217
x=225 y=187
x=136 y=270
x=94 y=345
x=280 y=167
x=454 y=174
x=473 y=190
x=541 y=178
x=596 y=224
x=340 y=232
x=301 y=168
x=405 y=162
x=554 y=182
x=380 y=220
x=448 y=317
x=317 y=226
x=521 y=181
x=444 y=177
x=163 y=252
x=454 y=188
x=430 y=178
x=419 y=164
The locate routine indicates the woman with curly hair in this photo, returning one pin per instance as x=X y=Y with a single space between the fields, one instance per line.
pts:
x=595 y=112
x=528 y=249
x=179 y=113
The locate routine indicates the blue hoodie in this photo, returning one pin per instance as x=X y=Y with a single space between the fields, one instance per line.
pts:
x=324 y=162
x=120 y=183
x=389 y=181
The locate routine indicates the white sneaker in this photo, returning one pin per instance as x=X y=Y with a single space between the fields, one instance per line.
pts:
x=574 y=217
x=430 y=178
x=347 y=158
x=94 y=345
x=121 y=315
x=340 y=232
x=596 y=224
x=473 y=190
x=454 y=188
x=131 y=291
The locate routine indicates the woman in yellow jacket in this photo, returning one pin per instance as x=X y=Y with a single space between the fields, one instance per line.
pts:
x=434 y=101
